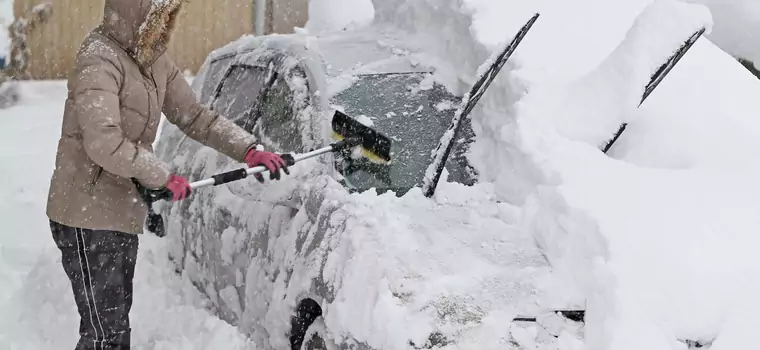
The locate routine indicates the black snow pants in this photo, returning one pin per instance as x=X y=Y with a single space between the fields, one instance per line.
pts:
x=100 y=266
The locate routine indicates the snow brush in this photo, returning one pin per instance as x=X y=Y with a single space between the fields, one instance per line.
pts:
x=374 y=146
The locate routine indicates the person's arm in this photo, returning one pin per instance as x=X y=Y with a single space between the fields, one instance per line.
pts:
x=95 y=88
x=182 y=109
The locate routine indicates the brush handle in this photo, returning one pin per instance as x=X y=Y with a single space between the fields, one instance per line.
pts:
x=149 y=196
x=359 y=135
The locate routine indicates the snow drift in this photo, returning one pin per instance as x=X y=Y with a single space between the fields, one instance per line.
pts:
x=659 y=236
x=335 y=15
x=737 y=23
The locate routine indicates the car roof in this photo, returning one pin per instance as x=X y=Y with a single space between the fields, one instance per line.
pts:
x=353 y=53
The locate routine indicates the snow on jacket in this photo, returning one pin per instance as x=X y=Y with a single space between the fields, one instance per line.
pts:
x=121 y=83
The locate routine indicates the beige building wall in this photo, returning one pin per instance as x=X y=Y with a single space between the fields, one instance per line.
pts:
x=54 y=43
x=283 y=15
x=203 y=26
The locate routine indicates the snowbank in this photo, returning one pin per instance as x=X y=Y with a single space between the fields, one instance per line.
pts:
x=407 y=267
x=658 y=235
x=737 y=23
x=335 y=15
x=641 y=237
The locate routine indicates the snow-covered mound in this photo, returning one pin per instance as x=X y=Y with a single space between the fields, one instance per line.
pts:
x=737 y=24
x=454 y=266
x=659 y=234
x=331 y=15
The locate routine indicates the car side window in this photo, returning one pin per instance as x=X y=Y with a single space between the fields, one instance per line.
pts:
x=215 y=73
x=278 y=123
x=261 y=101
x=239 y=95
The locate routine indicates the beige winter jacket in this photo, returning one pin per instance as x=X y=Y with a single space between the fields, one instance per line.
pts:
x=121 y=83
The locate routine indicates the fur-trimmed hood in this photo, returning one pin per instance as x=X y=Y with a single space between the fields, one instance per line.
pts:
x=142 y=27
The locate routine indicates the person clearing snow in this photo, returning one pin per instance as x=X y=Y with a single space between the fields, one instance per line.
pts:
x=121 y=83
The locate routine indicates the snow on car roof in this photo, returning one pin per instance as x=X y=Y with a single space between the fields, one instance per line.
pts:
x=355 y=53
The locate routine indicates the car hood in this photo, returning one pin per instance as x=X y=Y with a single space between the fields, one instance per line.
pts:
x=410 y=269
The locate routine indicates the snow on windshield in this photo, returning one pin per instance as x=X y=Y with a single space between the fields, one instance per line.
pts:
x=403 y=107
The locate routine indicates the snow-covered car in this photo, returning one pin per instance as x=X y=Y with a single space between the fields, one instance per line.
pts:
x=344 y=252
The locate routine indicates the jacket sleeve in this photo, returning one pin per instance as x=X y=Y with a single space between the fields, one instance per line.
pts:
x=94 y=89
x=182 y=109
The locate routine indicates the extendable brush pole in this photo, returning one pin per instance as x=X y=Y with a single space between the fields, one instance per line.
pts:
x=374 y=145
x=242 y=173
x=150 y=195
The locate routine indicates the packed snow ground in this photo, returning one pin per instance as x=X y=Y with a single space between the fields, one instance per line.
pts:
x=36 y=304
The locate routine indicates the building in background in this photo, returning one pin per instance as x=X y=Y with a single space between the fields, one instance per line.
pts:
x=203 y=26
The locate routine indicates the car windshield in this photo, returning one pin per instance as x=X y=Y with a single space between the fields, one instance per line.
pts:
x=414 y=112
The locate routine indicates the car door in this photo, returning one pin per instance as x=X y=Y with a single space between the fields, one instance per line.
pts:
x=260 y=96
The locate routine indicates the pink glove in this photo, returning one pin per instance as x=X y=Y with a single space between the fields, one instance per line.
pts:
x=179 y=187
x=272 y=161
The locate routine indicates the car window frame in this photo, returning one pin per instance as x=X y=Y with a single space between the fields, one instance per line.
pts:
x=272 y=61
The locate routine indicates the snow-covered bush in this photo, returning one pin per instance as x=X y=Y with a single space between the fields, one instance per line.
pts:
x=18 y=61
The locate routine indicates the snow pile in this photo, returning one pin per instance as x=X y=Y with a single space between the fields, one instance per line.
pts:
x=737 y=23
x=593 y=106
x=406 y=268
x=440 y=32
x=659 y=235
x=332 y=15
x=644 y=237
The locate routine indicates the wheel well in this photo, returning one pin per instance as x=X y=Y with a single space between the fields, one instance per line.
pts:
x=306 y=313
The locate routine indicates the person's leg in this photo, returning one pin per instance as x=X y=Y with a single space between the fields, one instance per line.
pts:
x=66 y=239
x=100 y=265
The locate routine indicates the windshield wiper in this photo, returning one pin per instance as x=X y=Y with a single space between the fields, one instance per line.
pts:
x=441 y=154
